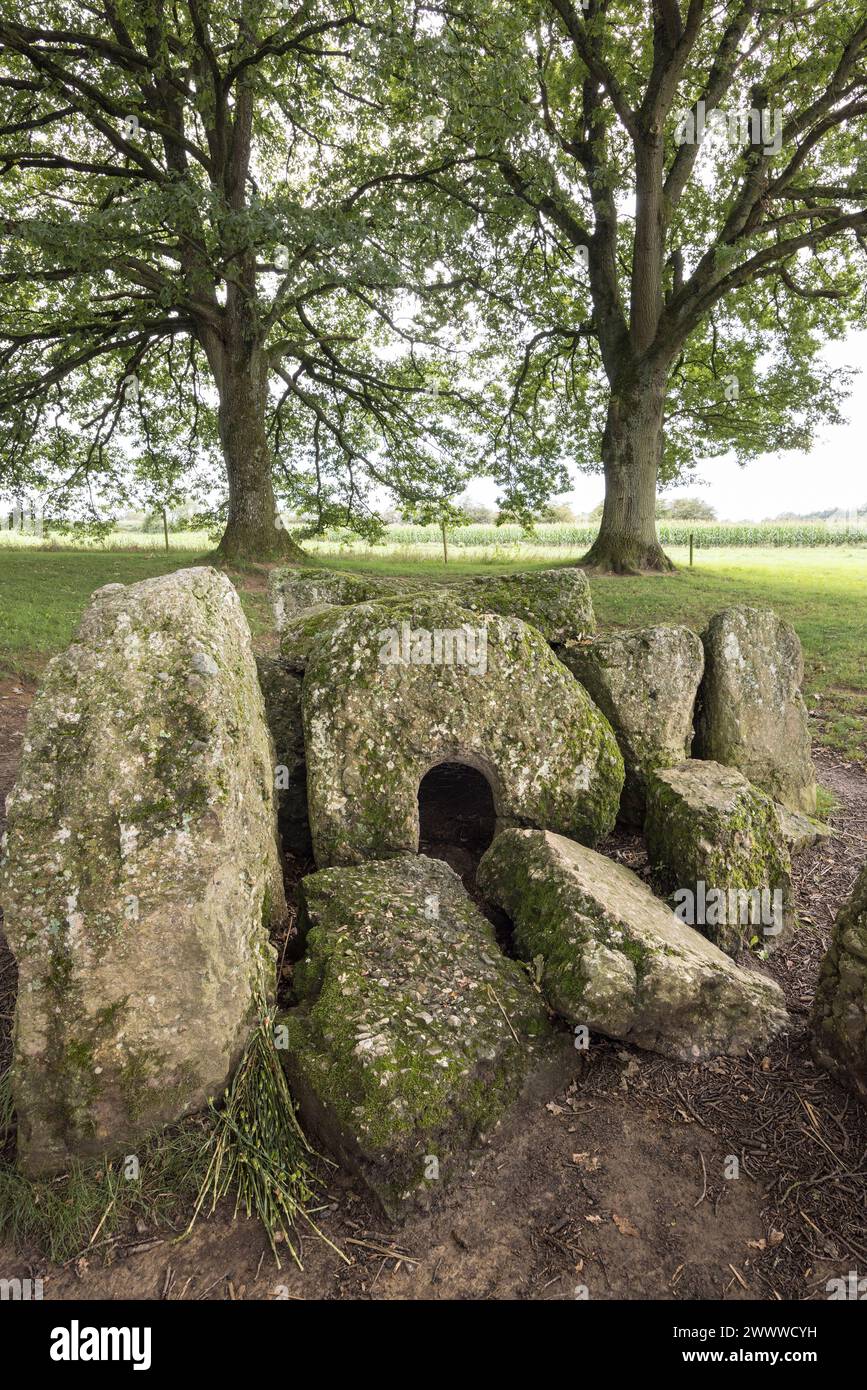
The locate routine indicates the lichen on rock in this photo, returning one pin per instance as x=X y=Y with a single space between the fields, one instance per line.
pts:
x=307 y=601
x=800 y=832
x=751 y=713
x=839 y=1018
x=615 y=960
x=715 y=842
x=298 y=592
x=645 y=682
x=414 y=1034
x=141 y=871
x=393 y=689
x=556 y=602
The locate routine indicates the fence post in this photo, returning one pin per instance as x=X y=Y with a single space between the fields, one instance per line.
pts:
x=690 y=547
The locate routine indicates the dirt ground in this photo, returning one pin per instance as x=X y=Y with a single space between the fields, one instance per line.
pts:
x=615 y=1188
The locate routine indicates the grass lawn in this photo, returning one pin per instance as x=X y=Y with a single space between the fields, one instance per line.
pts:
x=823 y=593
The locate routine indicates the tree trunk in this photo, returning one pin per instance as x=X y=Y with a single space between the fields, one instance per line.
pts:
x=631 y=455
x=253 y=531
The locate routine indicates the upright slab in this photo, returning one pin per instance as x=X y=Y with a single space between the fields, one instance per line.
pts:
x=141 y=872
x=751 y=714
x=614 y=958
x=840 y=1009
x=395 y=688
x=645 y=682
x=716 y=843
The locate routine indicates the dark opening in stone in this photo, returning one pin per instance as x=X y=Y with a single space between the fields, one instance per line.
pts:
x=456 y=816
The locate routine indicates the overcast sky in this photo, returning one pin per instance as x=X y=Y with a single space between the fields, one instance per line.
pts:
x=834 y=474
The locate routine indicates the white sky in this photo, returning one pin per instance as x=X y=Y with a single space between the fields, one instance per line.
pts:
x=834 y=474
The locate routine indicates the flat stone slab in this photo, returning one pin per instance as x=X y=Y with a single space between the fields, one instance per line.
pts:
x=299 y=591
x=716 y=844
x=307 y=600
x=751 y=714
x=800 y=832
x=615 y=959
x=141 y=872
x=839 y=1017
x=556 y=602
x=414 y=1034
x=645 y=682
x=307 y=603
x=393 y=689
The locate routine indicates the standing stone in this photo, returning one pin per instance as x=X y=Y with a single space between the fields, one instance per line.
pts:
x=840 y=1009
x=393 y=689
x=141 y=872
x=716 y=843
x=612 y=958
x=751 y=714
x=414 y=1033
x=645 y=683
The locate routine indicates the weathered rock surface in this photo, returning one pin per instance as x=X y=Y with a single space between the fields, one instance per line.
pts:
x=751 y=714
x=307 y=601
x=800 y=832
x=645 y=683
x=711 y=834
x=300 y=592
x=394 y=689
x=414 y=1034
x=615 y=959
x=281 y=689
x=840 y=1008
x=557 y=602
x=142 y=869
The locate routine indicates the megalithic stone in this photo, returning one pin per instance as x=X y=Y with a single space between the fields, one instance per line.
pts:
x=141 y=871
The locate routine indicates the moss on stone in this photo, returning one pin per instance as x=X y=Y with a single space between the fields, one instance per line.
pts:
x=413 y=1033
x=556 y=602
x=376 y=720
x=645 y=682
x=839 y=1017
x=615 y=960
x=141 y=861
x=707 y=825
x=751 y=713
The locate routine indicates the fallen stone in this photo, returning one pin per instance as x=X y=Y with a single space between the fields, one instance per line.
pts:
x=614 y=959
x=556 y=602
x=414 y=1034
x=715 y=842
x=281 y=689
x=800 y=832
x=645 y=683
x=751 y=714
x=141 y=871
x=839 y=1017
x=394 y=689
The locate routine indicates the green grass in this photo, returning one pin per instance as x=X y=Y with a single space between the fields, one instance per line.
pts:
x=823 y=593
x=249 y=1150
x=43 y=593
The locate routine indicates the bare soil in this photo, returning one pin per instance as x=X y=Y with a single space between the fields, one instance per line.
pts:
x=614 y=1188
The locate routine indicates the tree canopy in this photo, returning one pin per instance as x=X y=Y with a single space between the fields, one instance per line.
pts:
x=358 y=247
